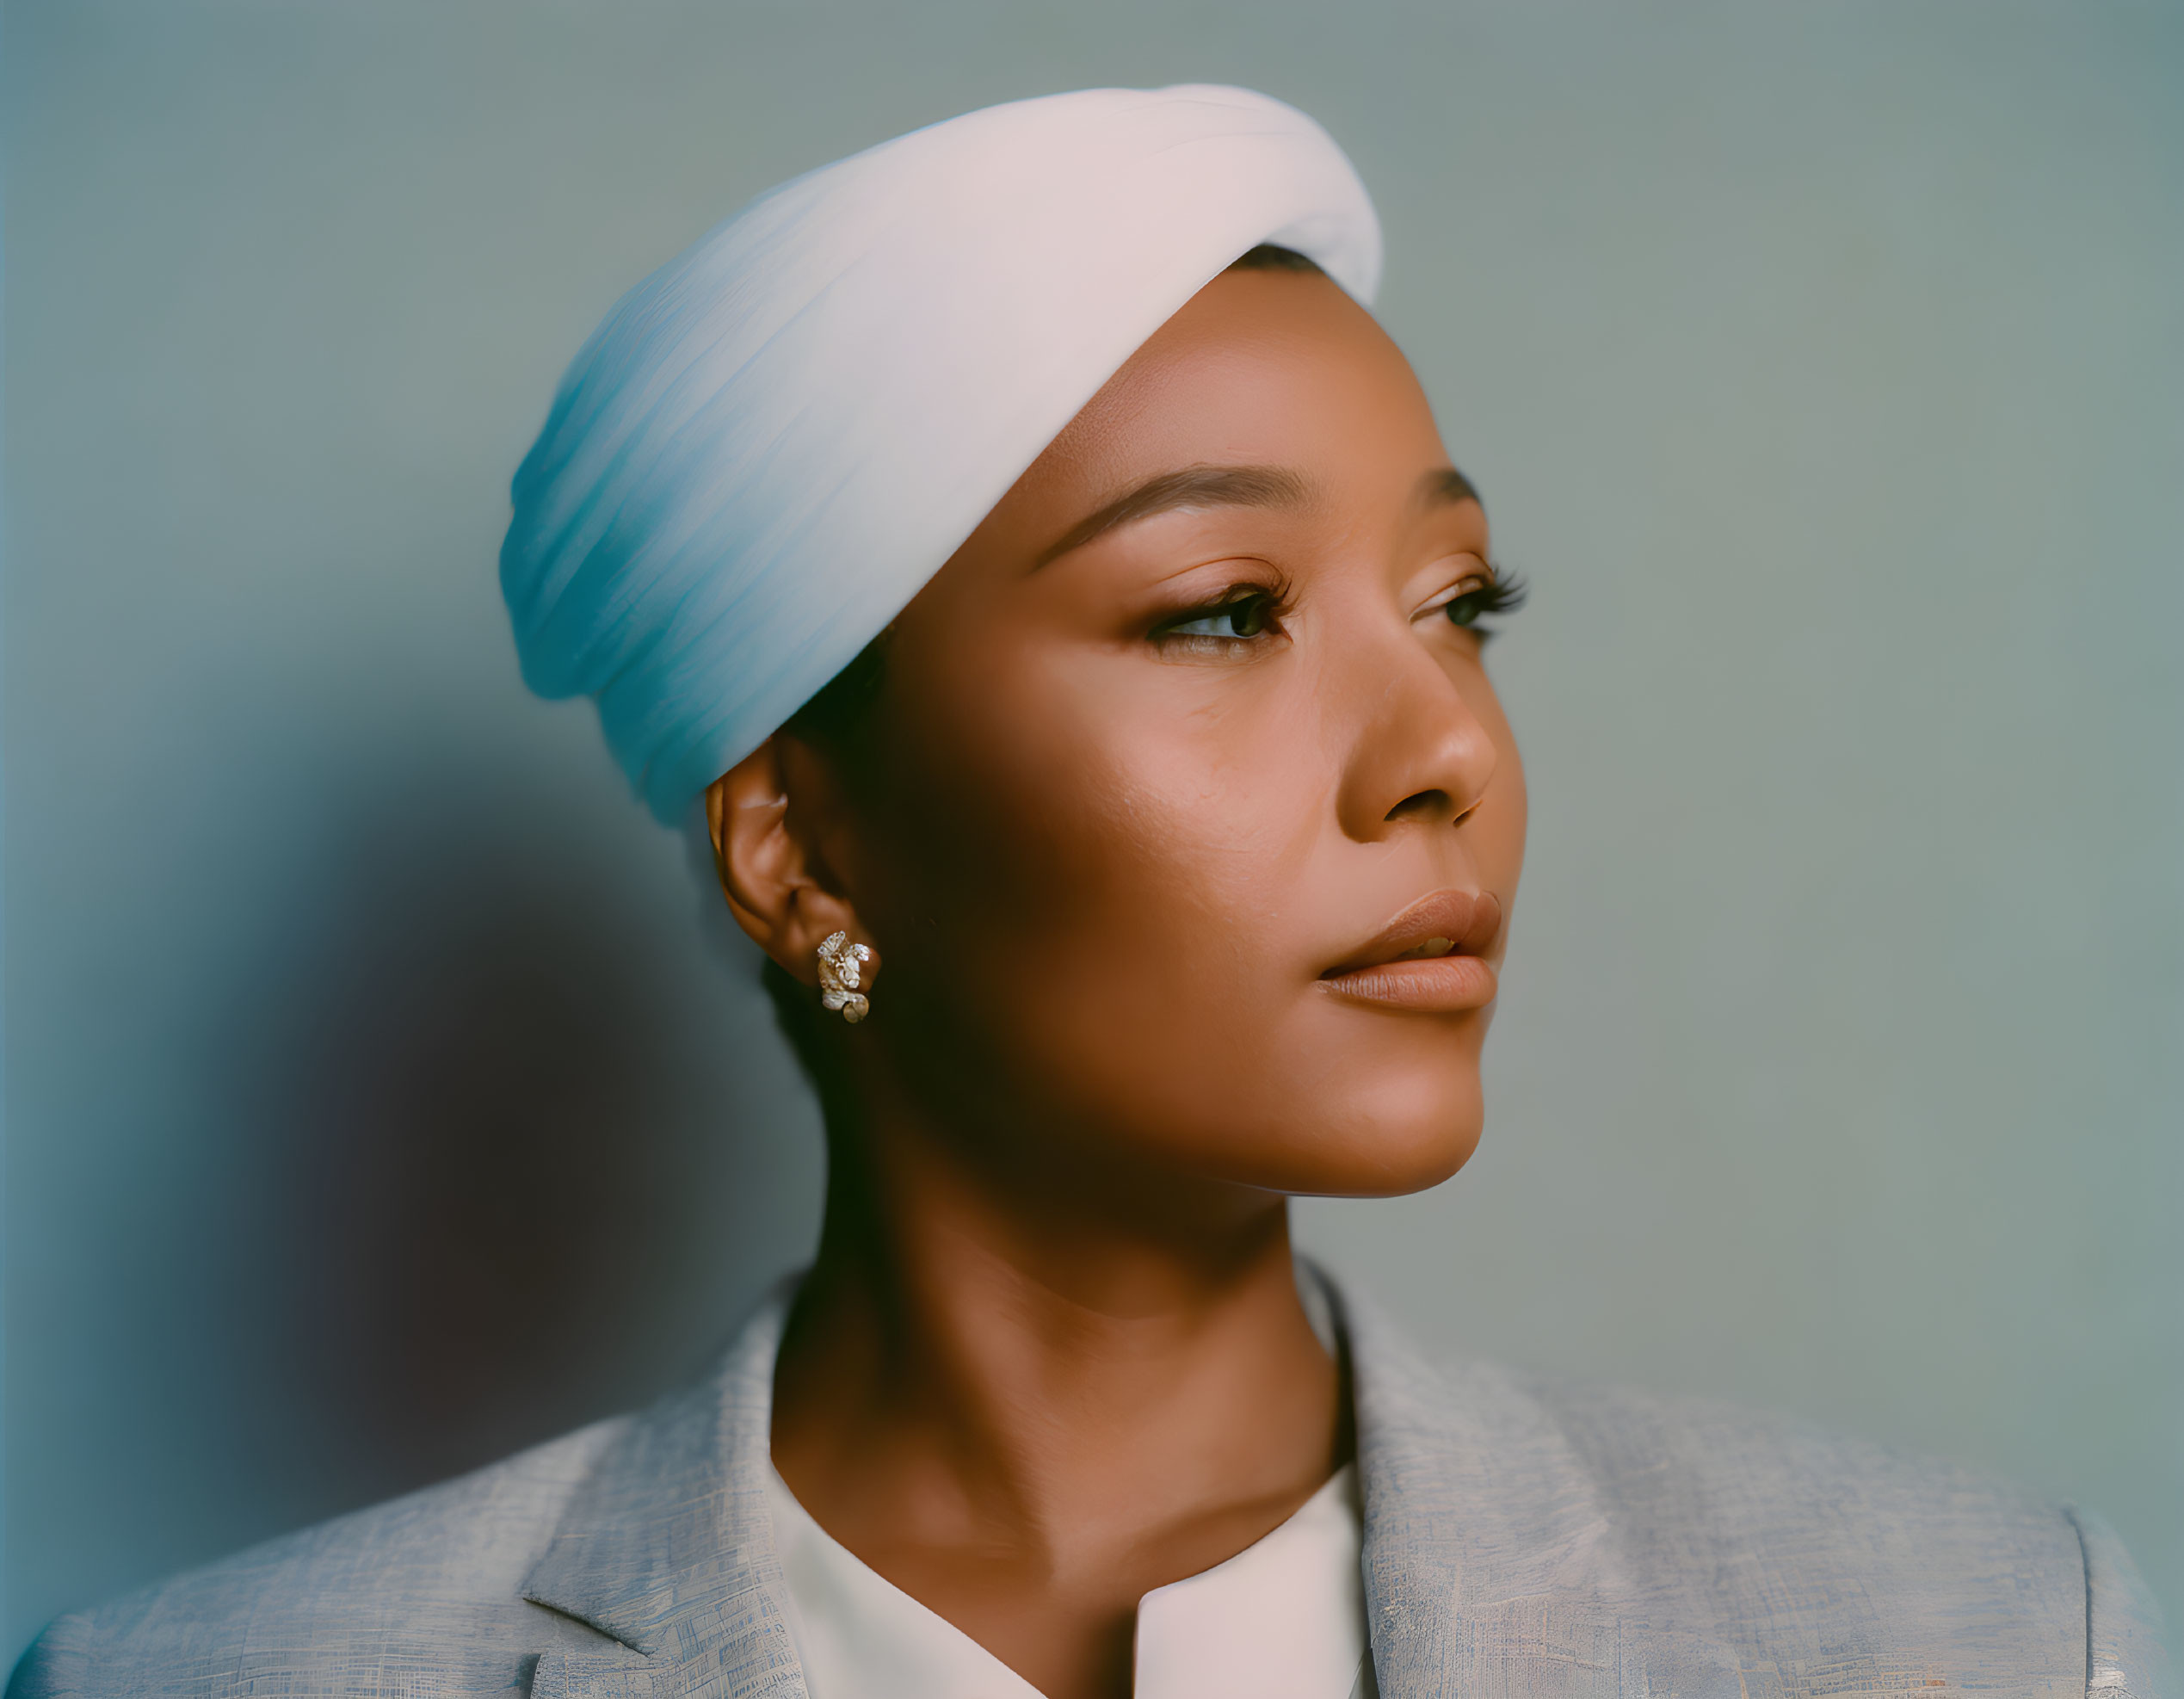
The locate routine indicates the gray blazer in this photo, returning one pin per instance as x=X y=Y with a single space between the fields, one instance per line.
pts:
x=1523 y=1537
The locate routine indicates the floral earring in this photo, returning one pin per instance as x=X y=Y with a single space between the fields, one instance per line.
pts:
x=841 y=965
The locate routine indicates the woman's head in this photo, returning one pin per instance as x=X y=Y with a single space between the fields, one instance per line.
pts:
x=1184 y=745
x=1180 y=731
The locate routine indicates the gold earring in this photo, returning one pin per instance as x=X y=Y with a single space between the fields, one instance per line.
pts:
x=841 y=965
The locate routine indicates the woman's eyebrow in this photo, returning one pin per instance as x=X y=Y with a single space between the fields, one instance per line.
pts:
x=1190 y=487
x=1445 y=487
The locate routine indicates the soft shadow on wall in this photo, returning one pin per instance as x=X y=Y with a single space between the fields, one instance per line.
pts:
x=491 y=1140
x=511 y=1209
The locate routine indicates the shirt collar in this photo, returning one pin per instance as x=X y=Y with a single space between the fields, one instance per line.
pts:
x=1282 y=1619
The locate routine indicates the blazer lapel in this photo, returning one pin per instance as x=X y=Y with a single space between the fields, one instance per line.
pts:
x=667 y=1548
x=1491 y=1565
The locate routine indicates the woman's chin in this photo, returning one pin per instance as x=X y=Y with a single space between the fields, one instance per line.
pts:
x=1402 y=1127
x=1395 y=1163
x=1405 y=1142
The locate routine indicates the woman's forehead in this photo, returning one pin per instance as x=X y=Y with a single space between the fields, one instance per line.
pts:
x=1277 y=385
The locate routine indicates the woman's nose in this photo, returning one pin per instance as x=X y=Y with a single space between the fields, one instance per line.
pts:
x=1419 y=755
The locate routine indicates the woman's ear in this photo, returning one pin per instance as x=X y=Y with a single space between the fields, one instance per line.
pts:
x=762 y=814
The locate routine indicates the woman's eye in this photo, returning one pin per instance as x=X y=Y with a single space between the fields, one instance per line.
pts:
x=1468 y=602
x=1243 y=617
x=1465 y=608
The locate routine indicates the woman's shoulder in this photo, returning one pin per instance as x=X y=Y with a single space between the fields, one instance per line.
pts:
x=1800 y=1560
x=1669 y=1460
x=1842 y=1531
x=342 y=1607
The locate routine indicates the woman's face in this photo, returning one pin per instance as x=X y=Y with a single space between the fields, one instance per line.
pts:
x=1184 y=747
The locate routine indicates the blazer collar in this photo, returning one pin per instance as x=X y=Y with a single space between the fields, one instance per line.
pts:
x=1492 y=1563
x=667 y=1547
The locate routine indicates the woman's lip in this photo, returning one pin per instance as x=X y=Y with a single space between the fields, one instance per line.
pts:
x=1440 y=926
x=1443 y=984
x=1428 y=957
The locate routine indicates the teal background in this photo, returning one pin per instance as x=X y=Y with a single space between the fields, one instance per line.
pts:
x=380 y=1094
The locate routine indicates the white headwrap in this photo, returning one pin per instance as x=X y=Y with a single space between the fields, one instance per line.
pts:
x=775 y=440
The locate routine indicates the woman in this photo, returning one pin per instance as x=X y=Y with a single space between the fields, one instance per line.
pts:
x=1024 y=546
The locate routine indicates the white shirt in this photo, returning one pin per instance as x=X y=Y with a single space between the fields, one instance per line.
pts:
x=1282 y=1619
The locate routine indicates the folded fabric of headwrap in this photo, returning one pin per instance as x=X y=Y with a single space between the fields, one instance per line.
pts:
x=772 y=443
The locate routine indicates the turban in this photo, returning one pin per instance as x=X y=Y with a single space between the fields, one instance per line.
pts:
x=772 y=443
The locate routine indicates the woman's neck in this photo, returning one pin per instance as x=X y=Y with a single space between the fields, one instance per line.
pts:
x=1028 y=1397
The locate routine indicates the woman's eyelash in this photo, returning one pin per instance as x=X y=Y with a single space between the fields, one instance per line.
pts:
x=1503 y=593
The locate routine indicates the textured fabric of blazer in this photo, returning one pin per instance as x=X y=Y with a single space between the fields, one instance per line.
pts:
x=1524 y=1539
